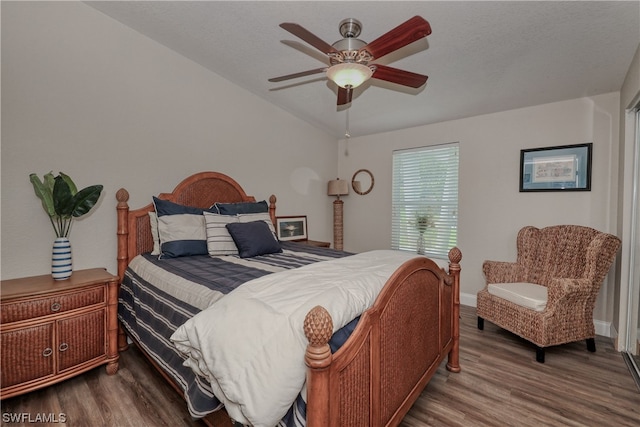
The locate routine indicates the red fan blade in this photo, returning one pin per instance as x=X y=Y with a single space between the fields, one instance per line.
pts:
x=404 y=34
x=305 y=35
x=300 y=74
x=344 y=95
x=401 y=77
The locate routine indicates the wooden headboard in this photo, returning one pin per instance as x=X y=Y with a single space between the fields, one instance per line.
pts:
x=200 y=190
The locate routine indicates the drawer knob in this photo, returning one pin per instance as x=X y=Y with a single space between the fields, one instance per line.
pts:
x=63 y=347
x=56 y=306
x=47 y=352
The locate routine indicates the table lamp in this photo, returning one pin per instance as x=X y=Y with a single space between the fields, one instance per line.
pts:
x=337 y=187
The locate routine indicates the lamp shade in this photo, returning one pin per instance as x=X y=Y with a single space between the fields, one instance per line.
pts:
x=349 y=74
x=338 y=187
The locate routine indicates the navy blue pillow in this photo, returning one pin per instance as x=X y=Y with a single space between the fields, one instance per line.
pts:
x=165 y=207
x=240 y=208
x=253 y=238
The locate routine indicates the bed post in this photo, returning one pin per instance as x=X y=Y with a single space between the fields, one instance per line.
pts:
x=122 y=196
x=453 y=364
x=272 y=209
x=318 y=328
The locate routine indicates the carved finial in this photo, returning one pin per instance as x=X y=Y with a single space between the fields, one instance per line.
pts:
x=122 y=196
x=318 y=327
x=455 y=255
x=272 y=199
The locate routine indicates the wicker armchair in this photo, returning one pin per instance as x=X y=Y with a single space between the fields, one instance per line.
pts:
x=547 y=296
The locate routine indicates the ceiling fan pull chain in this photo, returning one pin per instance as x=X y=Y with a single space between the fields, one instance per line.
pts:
x=347 y=135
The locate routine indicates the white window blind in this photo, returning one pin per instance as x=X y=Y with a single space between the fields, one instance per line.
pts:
x=425 y=183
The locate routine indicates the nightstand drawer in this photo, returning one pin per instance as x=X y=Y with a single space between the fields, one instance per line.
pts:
x=37 y=307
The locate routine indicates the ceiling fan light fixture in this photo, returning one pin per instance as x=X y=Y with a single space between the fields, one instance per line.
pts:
x=349 y=74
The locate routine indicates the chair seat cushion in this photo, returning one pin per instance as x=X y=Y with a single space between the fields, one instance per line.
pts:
x=527 y=295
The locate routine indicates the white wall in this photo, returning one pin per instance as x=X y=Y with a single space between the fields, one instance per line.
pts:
x=83 y=94
x=491 y=209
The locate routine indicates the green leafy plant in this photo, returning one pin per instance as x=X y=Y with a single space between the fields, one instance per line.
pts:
x=62 y=201
x=423 y=221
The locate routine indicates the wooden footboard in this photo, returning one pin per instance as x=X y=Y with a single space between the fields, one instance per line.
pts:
x=396 y=348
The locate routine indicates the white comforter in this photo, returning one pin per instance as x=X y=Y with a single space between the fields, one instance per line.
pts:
x=250 y=344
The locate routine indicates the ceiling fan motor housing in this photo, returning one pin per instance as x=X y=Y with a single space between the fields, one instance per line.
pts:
x=349 y=47
x=350 y=28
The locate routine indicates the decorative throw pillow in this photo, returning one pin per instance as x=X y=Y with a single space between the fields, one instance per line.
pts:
x=253 y=239
x=240 y=208
x=153 y=220
x=219 y=241
x=181 y=229
x=243 y=218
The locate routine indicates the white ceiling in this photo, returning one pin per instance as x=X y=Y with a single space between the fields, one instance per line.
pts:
x=481 y=57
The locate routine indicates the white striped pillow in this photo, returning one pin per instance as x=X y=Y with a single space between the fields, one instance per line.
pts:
x=219 y=241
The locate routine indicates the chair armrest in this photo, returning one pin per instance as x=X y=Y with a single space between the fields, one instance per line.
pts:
x=502 y=272
x=561 y=290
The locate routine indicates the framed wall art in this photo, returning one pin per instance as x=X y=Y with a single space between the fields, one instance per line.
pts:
x=561 y=168
x=291 y=227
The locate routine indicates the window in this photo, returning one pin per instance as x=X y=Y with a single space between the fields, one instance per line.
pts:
x=425 y=199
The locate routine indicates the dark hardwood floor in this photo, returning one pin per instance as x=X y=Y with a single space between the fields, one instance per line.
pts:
x=500 y=384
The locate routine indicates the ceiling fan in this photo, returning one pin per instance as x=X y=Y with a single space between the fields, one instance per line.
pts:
x=350 y=58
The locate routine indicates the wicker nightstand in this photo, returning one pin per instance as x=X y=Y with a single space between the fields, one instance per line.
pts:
x=315 y=243
x=53 y=330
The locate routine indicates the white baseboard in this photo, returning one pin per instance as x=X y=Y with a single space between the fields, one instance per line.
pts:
x=602 y=328
x=468 y=299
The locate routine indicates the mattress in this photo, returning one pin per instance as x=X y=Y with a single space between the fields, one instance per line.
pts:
x=158 y=296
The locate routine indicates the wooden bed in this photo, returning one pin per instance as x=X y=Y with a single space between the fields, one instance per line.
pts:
x=399 y=343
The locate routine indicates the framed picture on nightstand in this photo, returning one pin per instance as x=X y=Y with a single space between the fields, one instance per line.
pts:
x=292 y=227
